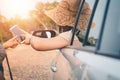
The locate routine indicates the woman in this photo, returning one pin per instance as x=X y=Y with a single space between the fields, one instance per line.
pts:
x=64 y=16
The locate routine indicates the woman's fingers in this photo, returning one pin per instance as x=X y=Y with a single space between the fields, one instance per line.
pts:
x=11 y=43
x=27 y=37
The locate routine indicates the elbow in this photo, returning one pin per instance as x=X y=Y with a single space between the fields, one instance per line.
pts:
x=35 y=44
x=36 y=47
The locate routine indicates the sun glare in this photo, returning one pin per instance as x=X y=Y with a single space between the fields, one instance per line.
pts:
x=18 y=7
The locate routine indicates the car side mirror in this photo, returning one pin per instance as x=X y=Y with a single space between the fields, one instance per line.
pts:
x=44 y=33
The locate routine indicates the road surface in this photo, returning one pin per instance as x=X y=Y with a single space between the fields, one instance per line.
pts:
x=29 y=64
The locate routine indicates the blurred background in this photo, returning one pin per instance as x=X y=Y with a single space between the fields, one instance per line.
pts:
x=27 y=14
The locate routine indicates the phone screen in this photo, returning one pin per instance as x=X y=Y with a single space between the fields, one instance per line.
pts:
x=16 y=31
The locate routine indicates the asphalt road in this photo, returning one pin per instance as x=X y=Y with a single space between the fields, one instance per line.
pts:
x=29 y=64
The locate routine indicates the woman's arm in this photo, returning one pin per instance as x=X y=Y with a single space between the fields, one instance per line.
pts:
x=57 y=42
x=48 y=43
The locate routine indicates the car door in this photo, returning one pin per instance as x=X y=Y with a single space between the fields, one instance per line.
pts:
x=102 y=61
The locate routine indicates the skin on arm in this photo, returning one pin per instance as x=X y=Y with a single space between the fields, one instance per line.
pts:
x=45 y=43
x=48 y=43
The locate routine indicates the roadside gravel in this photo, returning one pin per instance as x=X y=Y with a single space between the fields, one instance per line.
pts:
x=29 y=64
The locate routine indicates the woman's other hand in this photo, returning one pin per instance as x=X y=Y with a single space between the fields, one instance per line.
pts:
x=11 y=43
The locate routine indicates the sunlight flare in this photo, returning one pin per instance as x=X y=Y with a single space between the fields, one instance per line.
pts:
x=18 y=7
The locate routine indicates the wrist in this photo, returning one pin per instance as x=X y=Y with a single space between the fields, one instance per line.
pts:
x=27 y=39
x=30 y=39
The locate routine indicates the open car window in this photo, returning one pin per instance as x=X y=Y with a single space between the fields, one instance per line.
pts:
x=104 y=37
x=97 y=19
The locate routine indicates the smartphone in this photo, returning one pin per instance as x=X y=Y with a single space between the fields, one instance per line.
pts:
x=16 y=31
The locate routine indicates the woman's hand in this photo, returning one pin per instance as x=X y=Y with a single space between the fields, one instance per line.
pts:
x=11 y=43
x=26 y=36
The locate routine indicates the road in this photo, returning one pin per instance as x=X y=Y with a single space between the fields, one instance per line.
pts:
x=29 y=64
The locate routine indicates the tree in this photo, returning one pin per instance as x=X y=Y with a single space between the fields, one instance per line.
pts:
x=37 y=20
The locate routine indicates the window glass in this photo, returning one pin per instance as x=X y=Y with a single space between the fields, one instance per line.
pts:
x=97 y=20
x=110 y=43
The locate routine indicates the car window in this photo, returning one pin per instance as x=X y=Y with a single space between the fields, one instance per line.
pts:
x=98 y=17
x=106 y=33
x=97 y=8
